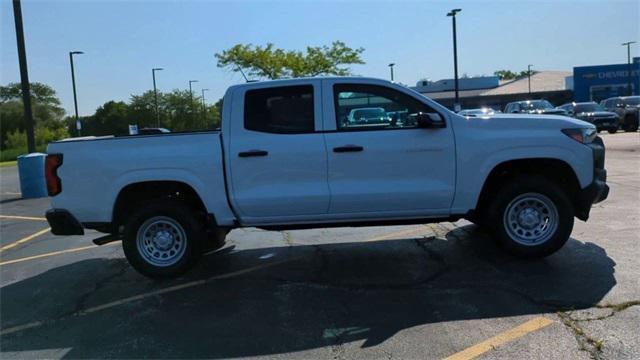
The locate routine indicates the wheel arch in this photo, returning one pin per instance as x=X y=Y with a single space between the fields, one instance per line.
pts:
x=153 y=190
x=556 y=170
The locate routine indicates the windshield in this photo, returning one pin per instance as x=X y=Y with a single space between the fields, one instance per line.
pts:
x=581 y=108
x=536 y=105
x=635 y=100
x=369 y=113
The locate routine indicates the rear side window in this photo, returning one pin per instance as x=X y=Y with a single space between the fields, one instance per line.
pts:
x=280 y=110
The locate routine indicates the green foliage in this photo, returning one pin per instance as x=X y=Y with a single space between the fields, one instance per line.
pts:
x=272 y=63
x=44 y=135
x=45 y=107
x=510 y=75
x=12 y=154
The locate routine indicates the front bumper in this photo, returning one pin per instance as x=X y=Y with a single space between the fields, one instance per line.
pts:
x=63 y=223
x=598 y=190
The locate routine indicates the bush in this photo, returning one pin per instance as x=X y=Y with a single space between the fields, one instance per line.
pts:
x=18 y=140
x=12 y=154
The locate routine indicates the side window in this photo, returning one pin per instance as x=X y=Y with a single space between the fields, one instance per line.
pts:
x=281 y=110
x=369 y=107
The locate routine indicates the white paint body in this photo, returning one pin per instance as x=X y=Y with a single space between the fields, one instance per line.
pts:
x=412 y=173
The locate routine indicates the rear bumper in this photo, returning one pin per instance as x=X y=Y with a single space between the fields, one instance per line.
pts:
x=63 y=223
x=598 y=190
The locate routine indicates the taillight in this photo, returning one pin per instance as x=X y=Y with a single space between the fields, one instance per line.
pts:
x=51 y=165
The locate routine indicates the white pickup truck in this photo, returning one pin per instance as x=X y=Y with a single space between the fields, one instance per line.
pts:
x=287 y=156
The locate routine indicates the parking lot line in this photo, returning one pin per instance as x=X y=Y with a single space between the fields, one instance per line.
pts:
x=54 y=253
x=512 y=334
x=398 y=233
x=25 y=239
x=22 y=217
x=142 y=296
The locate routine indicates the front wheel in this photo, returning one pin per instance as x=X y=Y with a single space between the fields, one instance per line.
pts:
x=531 y=217
x=163 y=239
x=612 y=131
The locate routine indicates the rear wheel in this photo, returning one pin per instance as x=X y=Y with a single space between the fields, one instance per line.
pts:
x=163 y=239
x=630 y=124
x=531 y=217
x=612 y=131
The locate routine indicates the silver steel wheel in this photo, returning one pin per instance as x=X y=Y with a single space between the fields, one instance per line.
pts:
x=161 y=241
x=531 y=219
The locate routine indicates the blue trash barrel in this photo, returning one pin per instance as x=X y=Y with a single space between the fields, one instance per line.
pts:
x=31 y=172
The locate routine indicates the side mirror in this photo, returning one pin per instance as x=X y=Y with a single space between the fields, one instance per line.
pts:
x=430 y=120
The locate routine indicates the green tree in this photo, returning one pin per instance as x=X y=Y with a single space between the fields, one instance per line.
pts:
x=510 y=75
x=45 y=104
x=272 y=63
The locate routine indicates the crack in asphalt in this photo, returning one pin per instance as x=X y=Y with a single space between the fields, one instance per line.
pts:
x=586 y=342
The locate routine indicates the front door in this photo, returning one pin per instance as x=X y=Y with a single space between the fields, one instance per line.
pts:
x=380 y=163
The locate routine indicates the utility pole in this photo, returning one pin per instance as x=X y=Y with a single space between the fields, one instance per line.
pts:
x=628 y=45
x=204 y=109
x=73 y=82
x=193 y=115
x=529 y=76
x=155 y=94
x=391 y=68
x=452 y=14
x=24 y=77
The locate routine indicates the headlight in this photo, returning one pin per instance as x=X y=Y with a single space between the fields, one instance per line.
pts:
x=582 y=135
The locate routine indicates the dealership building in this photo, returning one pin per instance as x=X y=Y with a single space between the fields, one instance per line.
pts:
x=595 y=83
x=585 y=83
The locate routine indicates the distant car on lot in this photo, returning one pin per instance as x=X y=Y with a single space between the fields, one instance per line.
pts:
x=478 y=112
x=153 y=131
x=627 y=108
x=375 y=115
x=532 y=107
x=594 y=113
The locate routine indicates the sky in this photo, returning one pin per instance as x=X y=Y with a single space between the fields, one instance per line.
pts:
x=124 y=40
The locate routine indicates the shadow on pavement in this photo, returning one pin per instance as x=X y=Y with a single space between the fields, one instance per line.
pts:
x=326 y=295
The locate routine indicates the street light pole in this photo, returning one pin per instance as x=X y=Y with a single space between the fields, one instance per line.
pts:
x=73 y=82
x=628 y=45
x=529 y=76
x=204 y=109
x=155 y=94
x=452 y=14
x=24 y=77
x=191 y=96
x=391 y=68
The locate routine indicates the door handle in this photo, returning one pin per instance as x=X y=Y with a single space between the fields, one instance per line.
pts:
x=348 y=148
x=253 y=153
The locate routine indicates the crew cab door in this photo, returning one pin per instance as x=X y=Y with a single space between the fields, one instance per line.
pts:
x=381 y=164
x=276 y=161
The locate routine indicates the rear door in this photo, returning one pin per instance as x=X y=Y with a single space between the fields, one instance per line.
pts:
x=384 y=165
x=276 y=158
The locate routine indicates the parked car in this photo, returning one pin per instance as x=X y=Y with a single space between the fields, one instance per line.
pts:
x=153 y=131
x=283 y=159
x=376 y=115
x=532 y=107
x=477 y=112
x=627 y=108
x=594 y=113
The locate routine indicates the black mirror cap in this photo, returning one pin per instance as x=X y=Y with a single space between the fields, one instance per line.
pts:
x=430 y=120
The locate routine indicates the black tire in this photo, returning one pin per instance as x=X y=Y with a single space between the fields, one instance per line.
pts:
x=177 y=218
x=612 y=131
x=215 y=239
x=630 y=124
x=540 y=189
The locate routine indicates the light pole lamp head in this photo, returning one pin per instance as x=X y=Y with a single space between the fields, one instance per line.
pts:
x=192 y=81
x=392 y=64
x=76 y=52
x=157 y=69
x=628 y=43
x=453 y=12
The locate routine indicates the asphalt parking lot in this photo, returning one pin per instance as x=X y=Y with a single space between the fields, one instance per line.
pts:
x=424 y=291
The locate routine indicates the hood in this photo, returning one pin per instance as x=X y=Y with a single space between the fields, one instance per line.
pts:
x=531 y=121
